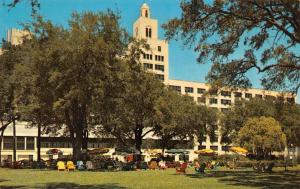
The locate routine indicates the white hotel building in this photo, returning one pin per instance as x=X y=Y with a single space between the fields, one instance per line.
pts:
x=155 y=60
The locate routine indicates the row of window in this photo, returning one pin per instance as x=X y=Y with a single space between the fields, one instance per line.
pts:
x=215 y=148
x=160 y=77
x=148 y=66
x=150 y=57
x=20 y=143
x=159 y=58
x=228 y=94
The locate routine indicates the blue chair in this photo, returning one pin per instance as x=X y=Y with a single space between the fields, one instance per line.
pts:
x=80 y=165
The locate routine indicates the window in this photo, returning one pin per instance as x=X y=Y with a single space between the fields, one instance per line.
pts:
x=225 y=102
x=189 y=89
x=159 y=58
x=201 y=100
x=201 y=147
x=226 y=93
x=147 y=56
x=20 y=143
x=146 y=13
x=8 y=143
x=148 y=66
x=237 y=94
x=160 y=77
x=148 y=32
x=225 y=148
x=159 y=48
x=248 y=95
x=213 y=101
x=214 y=147
x=175 y=88
x=258 y=96
x=45 y=144
x=160 y=67
x=29 y=143
x=213 y=92
x=200 y=91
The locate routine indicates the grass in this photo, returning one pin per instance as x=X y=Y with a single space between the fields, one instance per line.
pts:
x=232 y=179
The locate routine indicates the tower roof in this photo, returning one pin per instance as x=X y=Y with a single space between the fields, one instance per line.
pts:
x=145 y=5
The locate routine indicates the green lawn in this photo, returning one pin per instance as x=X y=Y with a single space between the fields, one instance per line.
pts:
x=10 y=178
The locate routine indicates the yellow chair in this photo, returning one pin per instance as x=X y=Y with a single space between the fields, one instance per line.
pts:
x=70 y=166
x=61 y=166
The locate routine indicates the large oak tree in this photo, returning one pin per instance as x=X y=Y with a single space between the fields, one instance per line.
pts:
x=238 y=36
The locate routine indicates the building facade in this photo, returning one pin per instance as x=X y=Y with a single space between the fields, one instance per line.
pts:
x=155 y=60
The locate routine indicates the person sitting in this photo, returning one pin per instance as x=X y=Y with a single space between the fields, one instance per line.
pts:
x=196 y=165
x=182 y=168
x=162 y=165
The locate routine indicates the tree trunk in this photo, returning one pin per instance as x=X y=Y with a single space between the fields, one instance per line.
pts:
x=39 y=143
x=14 y=140
x=1 y=137
x=138 y=139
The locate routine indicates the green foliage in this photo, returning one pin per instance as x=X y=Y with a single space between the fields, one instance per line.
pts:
x=63 y=72
x=266 y=28
x=180 y=117
x=262 y=135
x=287 y=114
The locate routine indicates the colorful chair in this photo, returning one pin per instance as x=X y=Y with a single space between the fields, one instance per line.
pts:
x=182 y=168
x=61 y=166
x=70 y=166
x=80 y=166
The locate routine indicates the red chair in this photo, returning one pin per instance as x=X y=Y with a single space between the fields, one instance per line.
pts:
x=182 y=168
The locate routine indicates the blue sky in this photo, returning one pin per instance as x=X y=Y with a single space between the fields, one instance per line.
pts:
x=182 y=61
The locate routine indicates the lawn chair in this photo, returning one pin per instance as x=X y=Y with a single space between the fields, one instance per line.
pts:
x=70 y=166
x=153 y=165
x=89 y=166
x=162 y=165
x=80 y=166
x=268 y=168
x=61 y=166
x=143 y=166
x=201 y=168
x=182 y=168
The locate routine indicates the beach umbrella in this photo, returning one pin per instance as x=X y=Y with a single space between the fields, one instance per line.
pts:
x=54 y=152
x=207 y=152
x=239 y=150
x=99 y=151
x=177 y=151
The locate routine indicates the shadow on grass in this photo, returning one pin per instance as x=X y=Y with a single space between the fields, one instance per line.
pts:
x=66 y=185
x=274 y=180
x=79 y=186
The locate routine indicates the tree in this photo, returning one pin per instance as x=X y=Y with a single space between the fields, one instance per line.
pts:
x=289 y=117
x=35 y=4
x=8 y=114
x=267 y=33
x=286 y=113
x=128 y=111
x=34 y=95
x=68 y=69
x=170 y=120
x=234 y=119
x=262 y=135
x=179 y=117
